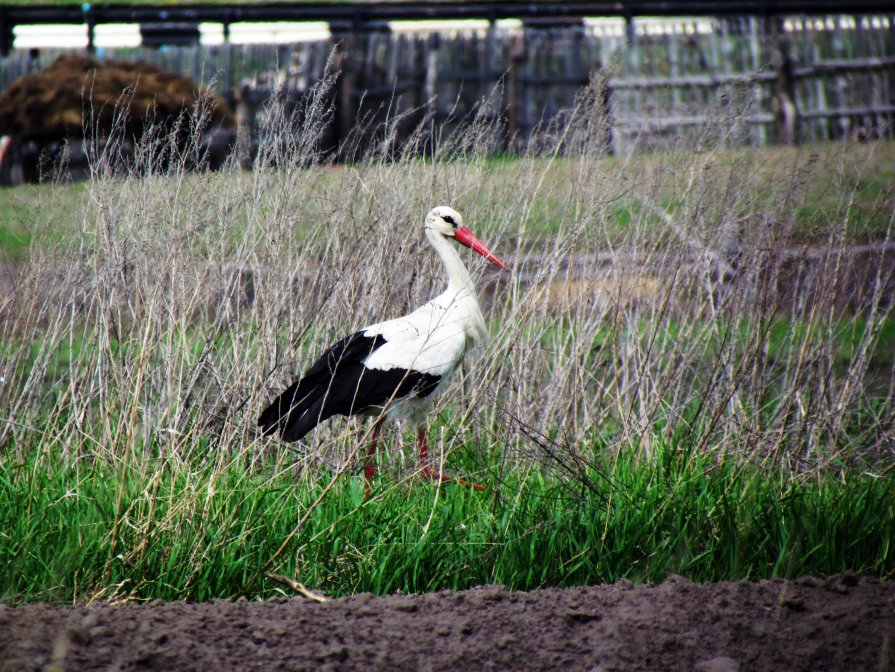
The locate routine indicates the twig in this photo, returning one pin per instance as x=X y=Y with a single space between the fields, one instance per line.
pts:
x=297 y=587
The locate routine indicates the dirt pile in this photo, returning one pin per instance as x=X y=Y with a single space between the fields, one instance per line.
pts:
x=59 y=100
x=45 y=115
x=840 y=623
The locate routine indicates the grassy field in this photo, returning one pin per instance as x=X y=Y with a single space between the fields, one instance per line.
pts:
x=694 y=375
x=824 y=178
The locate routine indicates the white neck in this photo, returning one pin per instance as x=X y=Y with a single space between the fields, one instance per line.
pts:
x=458 y=277
x=460 y=292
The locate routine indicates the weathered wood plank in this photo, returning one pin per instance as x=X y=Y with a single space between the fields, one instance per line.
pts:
x=841 y=71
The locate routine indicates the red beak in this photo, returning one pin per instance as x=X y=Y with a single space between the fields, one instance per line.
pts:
x=466 y=237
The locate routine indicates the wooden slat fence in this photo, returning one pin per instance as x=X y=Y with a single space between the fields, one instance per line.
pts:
x=798 y=78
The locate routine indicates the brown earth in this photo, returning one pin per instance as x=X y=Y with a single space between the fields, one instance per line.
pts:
x=837 y=623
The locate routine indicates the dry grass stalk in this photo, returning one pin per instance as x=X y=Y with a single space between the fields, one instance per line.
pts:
x=663 y=306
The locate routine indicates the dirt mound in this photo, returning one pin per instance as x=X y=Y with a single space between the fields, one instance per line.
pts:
x=55 y=101
x=841 y=623
x=43 y=117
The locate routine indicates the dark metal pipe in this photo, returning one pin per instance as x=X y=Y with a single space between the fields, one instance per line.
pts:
x=362 y=16
x=360 y=13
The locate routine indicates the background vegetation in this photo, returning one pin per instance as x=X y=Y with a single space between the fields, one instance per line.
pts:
x=691 y=367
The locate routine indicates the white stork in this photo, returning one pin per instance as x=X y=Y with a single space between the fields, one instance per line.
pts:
x=393 y=369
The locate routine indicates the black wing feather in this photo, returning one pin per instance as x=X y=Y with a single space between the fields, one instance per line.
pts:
x=339 y=384
x=299 y=397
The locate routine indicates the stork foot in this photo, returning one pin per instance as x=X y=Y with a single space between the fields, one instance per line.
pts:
x=429 y=472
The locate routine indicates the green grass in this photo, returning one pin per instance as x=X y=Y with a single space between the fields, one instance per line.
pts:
x=198 y=532
x=15 y=214
x=38 y=214
x=828 y=176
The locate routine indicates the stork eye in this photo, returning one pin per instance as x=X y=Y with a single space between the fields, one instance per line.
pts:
x=450 y=220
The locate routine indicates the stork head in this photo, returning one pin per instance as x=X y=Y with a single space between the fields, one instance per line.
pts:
x=448 y=222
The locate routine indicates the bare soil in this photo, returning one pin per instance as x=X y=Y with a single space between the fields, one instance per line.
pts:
x=837 y=623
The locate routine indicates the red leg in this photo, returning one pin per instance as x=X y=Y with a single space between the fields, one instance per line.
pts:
x=426 y=469
x=370 y=467
x=424 y=446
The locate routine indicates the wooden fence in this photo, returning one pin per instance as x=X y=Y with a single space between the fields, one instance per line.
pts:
x=789 y=79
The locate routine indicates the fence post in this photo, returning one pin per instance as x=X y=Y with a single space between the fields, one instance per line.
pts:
x=630 y=32
x=599 y=78
x=228 y=62
x=346 y=98
x=90 y=20
x=516 y=56
x=430 y=77
x=786 y=110
x=246 y=123
x=5 y=33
